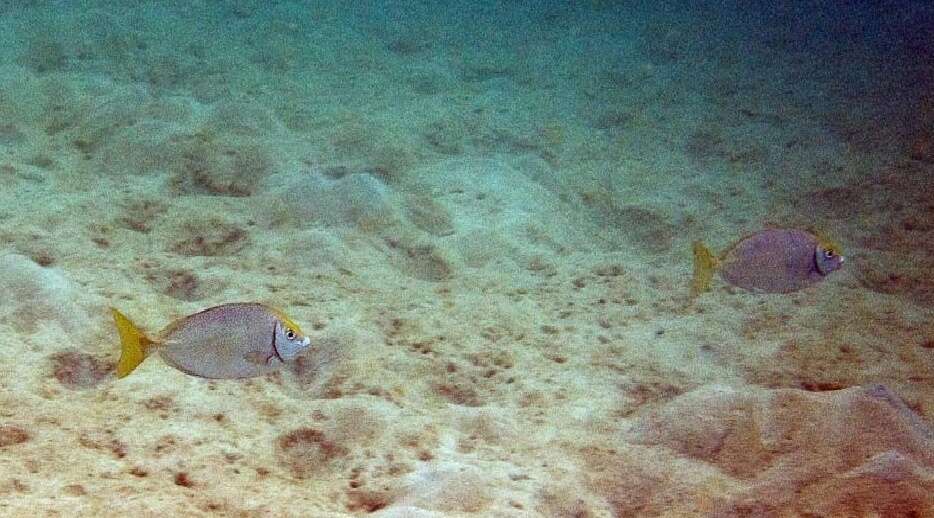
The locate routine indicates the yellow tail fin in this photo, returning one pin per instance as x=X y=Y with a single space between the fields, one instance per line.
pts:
x=704 y=265
x=133 y=344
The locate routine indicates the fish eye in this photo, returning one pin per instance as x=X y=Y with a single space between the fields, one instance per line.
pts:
x=829 y=254
x=290 y=334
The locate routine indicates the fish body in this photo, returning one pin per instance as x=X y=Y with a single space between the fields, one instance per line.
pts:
x=239 y=340
x=769 y=261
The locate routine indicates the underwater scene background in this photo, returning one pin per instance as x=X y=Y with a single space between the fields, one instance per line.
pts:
x=482 y=215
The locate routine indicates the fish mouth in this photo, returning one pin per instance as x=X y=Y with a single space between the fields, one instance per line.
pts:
x=826 y=269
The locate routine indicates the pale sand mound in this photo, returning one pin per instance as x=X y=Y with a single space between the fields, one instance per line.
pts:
x=853 y=452
x=34 y=297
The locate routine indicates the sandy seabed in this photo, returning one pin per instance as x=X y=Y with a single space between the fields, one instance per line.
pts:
x=482 y=216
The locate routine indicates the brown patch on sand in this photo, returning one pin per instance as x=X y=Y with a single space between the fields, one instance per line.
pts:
x=421 y=261
x=103 y=440
x=641 y=227
x=77 y=370
x=207 y=163
x=11 y=435
x=367 y=501
x=305 y=451
x=139 y=215
x=209 y=238
x=180 y=284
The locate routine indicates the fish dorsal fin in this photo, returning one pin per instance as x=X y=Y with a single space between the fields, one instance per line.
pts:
x=180 y=322
x=286 y=321
x=825 y=242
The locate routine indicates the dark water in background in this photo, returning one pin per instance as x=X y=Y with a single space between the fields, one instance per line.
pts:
x=636 y=80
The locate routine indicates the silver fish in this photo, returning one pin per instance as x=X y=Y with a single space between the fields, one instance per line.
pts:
x=770 y=261
x=239 y=340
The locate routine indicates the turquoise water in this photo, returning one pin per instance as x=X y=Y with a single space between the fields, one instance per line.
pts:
x=482 y=214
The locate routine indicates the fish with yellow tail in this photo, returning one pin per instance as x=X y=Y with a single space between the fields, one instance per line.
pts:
x=769 y=261
x=238 y=340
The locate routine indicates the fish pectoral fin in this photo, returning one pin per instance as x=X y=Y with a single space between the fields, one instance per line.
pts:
x=704 y=265
x=258 y=358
